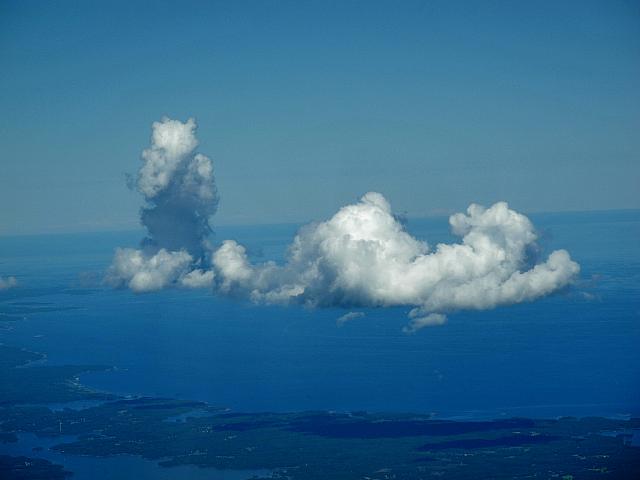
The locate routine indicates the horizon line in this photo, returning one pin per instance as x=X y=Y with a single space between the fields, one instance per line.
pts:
x=137 y=229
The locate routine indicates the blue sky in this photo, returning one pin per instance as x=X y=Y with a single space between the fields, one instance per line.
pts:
x=304 y=106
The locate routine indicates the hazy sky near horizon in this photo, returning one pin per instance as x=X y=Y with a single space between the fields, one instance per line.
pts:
x=305 y=106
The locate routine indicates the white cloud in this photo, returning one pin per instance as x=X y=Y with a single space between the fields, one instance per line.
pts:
x=347 y=317
x=179 y=188
x=420 y=320
x=7 y=282
x=142 y=272
x=363 y=256
x=197 y=279
x=171 y=142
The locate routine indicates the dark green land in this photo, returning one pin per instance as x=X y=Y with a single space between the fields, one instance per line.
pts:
x=23 y=468
x=41 y=384
x=310 y=445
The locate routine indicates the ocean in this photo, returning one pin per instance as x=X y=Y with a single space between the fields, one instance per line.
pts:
x=574 y=353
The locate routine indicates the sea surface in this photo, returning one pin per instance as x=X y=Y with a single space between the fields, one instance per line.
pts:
x=574 y=353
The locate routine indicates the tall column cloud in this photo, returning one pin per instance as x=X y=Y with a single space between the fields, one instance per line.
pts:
x=360 y=257
x=180 y=194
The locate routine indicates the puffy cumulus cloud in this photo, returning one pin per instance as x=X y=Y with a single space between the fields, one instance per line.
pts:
x=171 y=142
x=180 y=194
x=144 y=272
x=197 y=278
x=363 y=257
x=7 y=282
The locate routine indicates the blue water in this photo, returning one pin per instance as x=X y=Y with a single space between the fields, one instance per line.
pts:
x=575 y=353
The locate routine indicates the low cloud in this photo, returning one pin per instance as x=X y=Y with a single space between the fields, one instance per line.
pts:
x=347 y=317
x=419 y=320
x=360 y=257
x=363 y=257
x=142 y=271
x=8 y=282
